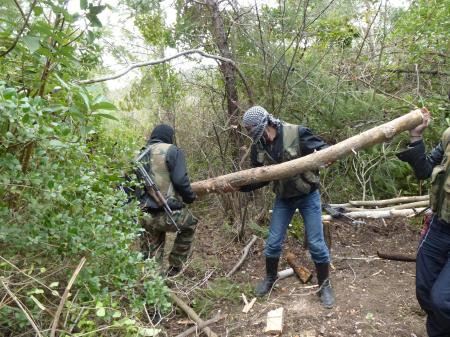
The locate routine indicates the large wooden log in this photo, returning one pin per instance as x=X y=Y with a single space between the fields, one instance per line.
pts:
x=313 y=161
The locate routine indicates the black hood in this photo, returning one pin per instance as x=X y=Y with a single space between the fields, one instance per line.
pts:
x=162 y=133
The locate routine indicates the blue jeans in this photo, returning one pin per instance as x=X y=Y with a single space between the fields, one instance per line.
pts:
x=433 y=278
x=311 y=210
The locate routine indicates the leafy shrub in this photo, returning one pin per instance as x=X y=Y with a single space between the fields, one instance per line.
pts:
x=65 y=204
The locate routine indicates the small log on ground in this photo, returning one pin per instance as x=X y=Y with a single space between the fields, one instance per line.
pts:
x=396 y=257
x=285 y=273
x=303 y=274
x=191 y=314
x=313 y=161
x=392 y=201
x=415 y=204
x=275 y=321
x=244 y=255
x=376 y=214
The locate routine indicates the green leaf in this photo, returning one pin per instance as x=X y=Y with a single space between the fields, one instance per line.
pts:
x=105 y=105
x=83 y=4
x=94 y=20
x=116 y=314
x=38 y=10
x=38 y=303
x=53 y=284
x=56 y=143
x=108 y=116
x=32 y=43
x=35 y=291
x=85 y=100
x=94 y=10
x=90 y=36
x=43 y=28
x=148 y=332
x=100 y=312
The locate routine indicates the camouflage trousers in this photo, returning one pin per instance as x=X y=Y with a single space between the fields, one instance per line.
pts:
x=154 y=236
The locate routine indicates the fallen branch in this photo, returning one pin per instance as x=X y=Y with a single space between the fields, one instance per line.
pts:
x=385 y=202
x=191 y=314
x=313 y=161
x=65 y=295
x=195 y=328
x=244 y=256
x=396 y=257
x=19 y=304
x=375 y=214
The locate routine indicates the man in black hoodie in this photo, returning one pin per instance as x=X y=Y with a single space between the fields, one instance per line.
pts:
x=166 y=165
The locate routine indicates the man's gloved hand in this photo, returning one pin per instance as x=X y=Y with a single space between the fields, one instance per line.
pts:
x=416 y=133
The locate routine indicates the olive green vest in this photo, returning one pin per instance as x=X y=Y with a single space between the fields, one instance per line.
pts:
x=440 y=182
x=159 y=172
x=301 y=183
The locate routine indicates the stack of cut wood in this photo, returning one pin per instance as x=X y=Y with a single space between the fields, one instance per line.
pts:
x=387 y=208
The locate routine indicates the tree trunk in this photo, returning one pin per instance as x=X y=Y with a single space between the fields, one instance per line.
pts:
x=227 y=69
x=313 y=161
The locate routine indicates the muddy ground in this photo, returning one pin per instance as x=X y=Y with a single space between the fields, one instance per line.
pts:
x=374 y=297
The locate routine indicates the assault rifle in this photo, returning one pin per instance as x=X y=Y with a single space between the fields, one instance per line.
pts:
x=156 y=194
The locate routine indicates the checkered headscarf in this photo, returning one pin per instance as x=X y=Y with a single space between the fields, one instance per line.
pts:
x=255 y=121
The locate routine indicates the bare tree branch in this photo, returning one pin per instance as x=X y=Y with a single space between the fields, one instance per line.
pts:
x=367 y=32
x=167 y=59
x=21 y=30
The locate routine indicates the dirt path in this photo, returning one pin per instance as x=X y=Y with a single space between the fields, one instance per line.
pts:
x=374 y=297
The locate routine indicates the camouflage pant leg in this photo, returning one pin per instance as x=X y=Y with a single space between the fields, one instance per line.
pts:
x=183 y=241
x=153 y=238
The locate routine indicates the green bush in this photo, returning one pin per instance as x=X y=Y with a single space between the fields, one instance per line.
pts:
x=65 y=204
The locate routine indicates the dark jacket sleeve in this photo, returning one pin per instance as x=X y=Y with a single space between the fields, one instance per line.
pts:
x=309 y=141
x=176 y=163
x=422 y=163
x=255 y=163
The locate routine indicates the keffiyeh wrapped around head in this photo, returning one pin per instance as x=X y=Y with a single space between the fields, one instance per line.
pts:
x=255 y=121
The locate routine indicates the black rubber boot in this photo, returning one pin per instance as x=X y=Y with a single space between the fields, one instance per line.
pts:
x=326 y=293
x=271 y=276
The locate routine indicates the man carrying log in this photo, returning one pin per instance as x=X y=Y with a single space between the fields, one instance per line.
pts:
x=433 y=256
x=274 y=142
x=165 y=165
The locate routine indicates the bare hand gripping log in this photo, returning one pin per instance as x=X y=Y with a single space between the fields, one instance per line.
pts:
x=313 y=161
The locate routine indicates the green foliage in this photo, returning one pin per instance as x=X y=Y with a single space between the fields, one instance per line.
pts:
x=66 y=204
x=337 y=30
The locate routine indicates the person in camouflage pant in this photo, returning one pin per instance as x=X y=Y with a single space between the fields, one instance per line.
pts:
x=154 y=238
x=166 y=165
